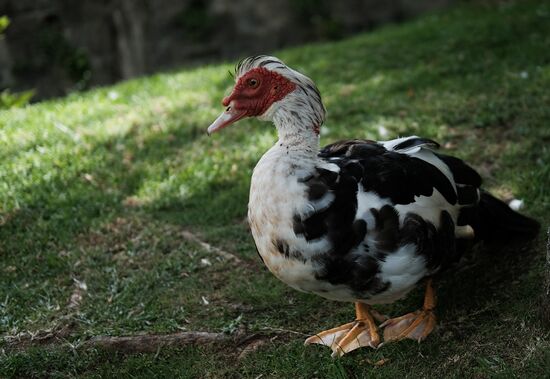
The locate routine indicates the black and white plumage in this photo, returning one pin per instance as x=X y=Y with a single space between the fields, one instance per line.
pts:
x=357 y=221
x=364 y=221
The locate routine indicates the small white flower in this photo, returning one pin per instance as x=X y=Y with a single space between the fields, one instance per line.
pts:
x=516 y=204
x=382 y=131
x=113 y=95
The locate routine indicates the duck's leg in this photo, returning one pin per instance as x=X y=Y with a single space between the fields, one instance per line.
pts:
x=350 y=336
x=416 y=325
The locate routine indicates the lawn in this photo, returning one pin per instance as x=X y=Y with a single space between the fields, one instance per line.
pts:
x=105 y=197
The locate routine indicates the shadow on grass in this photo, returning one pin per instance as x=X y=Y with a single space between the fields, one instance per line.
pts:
x=40 y=239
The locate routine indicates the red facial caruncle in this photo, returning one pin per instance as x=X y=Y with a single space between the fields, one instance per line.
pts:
x=252 y=96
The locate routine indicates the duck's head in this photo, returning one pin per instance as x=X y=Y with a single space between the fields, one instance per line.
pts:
x=268 y=89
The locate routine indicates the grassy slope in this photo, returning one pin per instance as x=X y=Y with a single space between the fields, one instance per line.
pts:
x=95 y=187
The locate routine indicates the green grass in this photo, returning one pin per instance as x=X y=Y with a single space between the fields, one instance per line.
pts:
x=96 y=188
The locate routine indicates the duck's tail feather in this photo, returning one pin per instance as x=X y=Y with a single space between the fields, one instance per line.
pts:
x=496 y=222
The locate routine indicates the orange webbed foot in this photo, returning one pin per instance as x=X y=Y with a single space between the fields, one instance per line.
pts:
x=416 y=325
x=345 y=338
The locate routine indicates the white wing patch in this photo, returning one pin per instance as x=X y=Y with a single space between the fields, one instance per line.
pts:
x=429 y=208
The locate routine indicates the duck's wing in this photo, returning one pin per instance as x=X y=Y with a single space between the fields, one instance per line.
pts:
x=404 y=168
x=389 y=212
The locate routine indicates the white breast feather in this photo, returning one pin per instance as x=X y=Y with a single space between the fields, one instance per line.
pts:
x=403 y=269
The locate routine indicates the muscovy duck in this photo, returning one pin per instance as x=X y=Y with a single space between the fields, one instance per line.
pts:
x=357 y=221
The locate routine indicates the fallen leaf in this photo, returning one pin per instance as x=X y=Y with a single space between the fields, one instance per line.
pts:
x=378 y=363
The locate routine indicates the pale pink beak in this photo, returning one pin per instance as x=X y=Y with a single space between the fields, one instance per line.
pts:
x=228 y=117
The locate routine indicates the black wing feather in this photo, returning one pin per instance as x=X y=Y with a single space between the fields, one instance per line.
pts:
x=462 y=173
x=390 y=174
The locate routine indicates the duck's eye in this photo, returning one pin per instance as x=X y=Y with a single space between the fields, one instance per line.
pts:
x=253 y=83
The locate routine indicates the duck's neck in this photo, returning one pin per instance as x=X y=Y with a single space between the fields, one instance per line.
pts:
x=297 y=134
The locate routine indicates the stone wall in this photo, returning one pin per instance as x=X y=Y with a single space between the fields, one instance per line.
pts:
x=58 y=46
